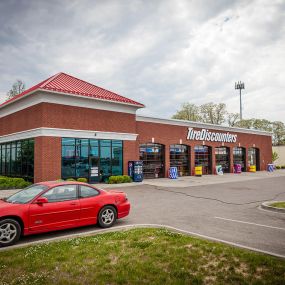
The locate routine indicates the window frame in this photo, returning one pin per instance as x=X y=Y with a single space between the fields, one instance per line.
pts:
x=95 y=189
x=59 y=201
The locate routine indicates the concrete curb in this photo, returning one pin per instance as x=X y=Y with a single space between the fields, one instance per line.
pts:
x=266 y=206
x=135 y=226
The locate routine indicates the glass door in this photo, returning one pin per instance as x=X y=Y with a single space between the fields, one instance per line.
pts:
x=94 y=171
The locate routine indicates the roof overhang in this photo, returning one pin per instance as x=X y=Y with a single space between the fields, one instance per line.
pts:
x=185 y=123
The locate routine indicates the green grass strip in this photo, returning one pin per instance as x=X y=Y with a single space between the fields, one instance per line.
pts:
x=138 y=256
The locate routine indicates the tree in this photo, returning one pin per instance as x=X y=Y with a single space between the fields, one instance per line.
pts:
x=278 y=129
x=275 y=156
x=213 y=113
x=232 y=119
x=247 y=124
x=17 y=88
x=262 y=124
x=189 y=112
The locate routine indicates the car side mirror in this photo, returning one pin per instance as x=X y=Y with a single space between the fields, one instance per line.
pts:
x=41 y=200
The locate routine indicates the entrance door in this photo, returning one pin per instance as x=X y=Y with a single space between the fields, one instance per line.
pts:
x=152 y=155
x=253 y=157
x=223 y=158
x=203 y=158
x=94 y=169
x=239 y=157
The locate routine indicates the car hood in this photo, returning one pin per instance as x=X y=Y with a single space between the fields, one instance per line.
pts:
x=5 y=205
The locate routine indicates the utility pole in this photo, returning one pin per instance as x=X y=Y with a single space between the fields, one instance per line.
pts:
x=239 y=85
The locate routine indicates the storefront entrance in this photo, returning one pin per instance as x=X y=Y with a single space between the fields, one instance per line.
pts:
x=180 y=158
x=152 y=155
x=223 y=158
x=239 y=157
x=92 y=159
x=203 y=158
x=253 y=157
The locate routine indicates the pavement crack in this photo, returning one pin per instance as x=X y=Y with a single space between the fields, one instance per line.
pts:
x=218 y=200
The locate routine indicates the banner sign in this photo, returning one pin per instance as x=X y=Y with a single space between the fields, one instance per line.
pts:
x=205 y=135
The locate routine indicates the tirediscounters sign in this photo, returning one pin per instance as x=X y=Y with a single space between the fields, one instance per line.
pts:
x=205 y=135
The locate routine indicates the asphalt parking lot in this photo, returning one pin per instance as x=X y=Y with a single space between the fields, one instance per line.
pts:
x=226 y=211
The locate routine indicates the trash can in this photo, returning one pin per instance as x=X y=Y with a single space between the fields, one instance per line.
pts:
x=219 y=170
x=173 y=173
x=198 y=170
x=270 y=167
x=252 y=168
x=237 y=168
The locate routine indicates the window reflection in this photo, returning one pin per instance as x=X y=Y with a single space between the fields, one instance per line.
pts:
x=80 y=155
x=17 y=159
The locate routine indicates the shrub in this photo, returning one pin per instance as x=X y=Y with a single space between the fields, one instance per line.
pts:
x=283 y=166
x=119 y=179
x=278 y=167
x=70 y=179
x=82 y=180
x=13 y=183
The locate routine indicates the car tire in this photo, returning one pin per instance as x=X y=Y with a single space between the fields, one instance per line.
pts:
x=107 y=216
x=10 y=232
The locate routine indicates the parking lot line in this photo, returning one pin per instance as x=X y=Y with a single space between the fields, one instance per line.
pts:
x=249 y=223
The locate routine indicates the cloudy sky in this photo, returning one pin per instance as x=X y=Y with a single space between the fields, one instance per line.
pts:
x=160 y=53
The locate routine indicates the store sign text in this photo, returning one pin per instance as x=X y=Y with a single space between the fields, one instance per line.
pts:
x=205 y=135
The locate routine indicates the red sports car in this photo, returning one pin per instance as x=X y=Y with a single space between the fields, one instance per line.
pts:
x=51 y=206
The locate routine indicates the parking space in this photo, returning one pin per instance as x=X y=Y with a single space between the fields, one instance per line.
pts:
x=227 y=211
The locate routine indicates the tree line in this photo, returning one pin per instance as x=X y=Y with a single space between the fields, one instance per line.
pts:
x=217 y=114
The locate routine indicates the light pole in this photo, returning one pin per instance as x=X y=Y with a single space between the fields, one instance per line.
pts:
x=239 y=85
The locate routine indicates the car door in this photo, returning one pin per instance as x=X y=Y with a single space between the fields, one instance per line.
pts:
x=90 y=204
x=61 y=211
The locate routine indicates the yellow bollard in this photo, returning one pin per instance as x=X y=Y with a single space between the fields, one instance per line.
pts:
x=198 y=170
x=252 y=168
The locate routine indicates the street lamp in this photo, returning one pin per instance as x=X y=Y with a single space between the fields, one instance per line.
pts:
x=239 y=85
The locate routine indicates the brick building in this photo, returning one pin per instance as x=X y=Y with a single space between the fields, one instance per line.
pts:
x=64 y=127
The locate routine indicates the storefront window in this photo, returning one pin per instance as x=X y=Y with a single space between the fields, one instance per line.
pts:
x=180 y=158
x=152 y=156
x=203 y=158
x=239 y=157
x=223 y=158
x=81 y=159
x=17 y=159
x=117 y=153
x=93 y=159
x=253 y=157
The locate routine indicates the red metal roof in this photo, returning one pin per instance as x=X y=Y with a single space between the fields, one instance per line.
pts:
x=65 y=83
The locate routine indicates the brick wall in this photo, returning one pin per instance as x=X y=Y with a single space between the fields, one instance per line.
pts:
x=47 y=159
x=67 y=117
x=48 y=149
x=169 y=134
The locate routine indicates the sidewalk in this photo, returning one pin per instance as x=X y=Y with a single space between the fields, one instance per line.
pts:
x=182 y=182
x=188 y=181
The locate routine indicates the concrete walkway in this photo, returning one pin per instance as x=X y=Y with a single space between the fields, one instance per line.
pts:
x=188 y=181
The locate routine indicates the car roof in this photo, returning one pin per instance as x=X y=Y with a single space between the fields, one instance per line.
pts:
x=58 y=183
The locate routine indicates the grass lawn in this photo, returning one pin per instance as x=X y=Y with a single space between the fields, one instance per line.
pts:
x=139 y=256
x=278 y=205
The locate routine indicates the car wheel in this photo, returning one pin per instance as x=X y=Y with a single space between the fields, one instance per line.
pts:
x=10 y=232
x=107 y=216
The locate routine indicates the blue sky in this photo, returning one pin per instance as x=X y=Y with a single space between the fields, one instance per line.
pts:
x=160 y=53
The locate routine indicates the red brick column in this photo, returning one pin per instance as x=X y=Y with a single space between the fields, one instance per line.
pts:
x=166 y=159
x=130 y=152
x=246 y=159
x=192 y=160
x=231 y=160
x=213 y=156
x=47 y=159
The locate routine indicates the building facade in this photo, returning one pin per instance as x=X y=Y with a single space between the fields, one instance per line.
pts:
x=64 y=128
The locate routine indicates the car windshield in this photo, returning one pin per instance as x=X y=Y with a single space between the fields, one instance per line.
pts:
x=26 y=195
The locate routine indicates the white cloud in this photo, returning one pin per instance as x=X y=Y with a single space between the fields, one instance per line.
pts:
x=162 y=52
